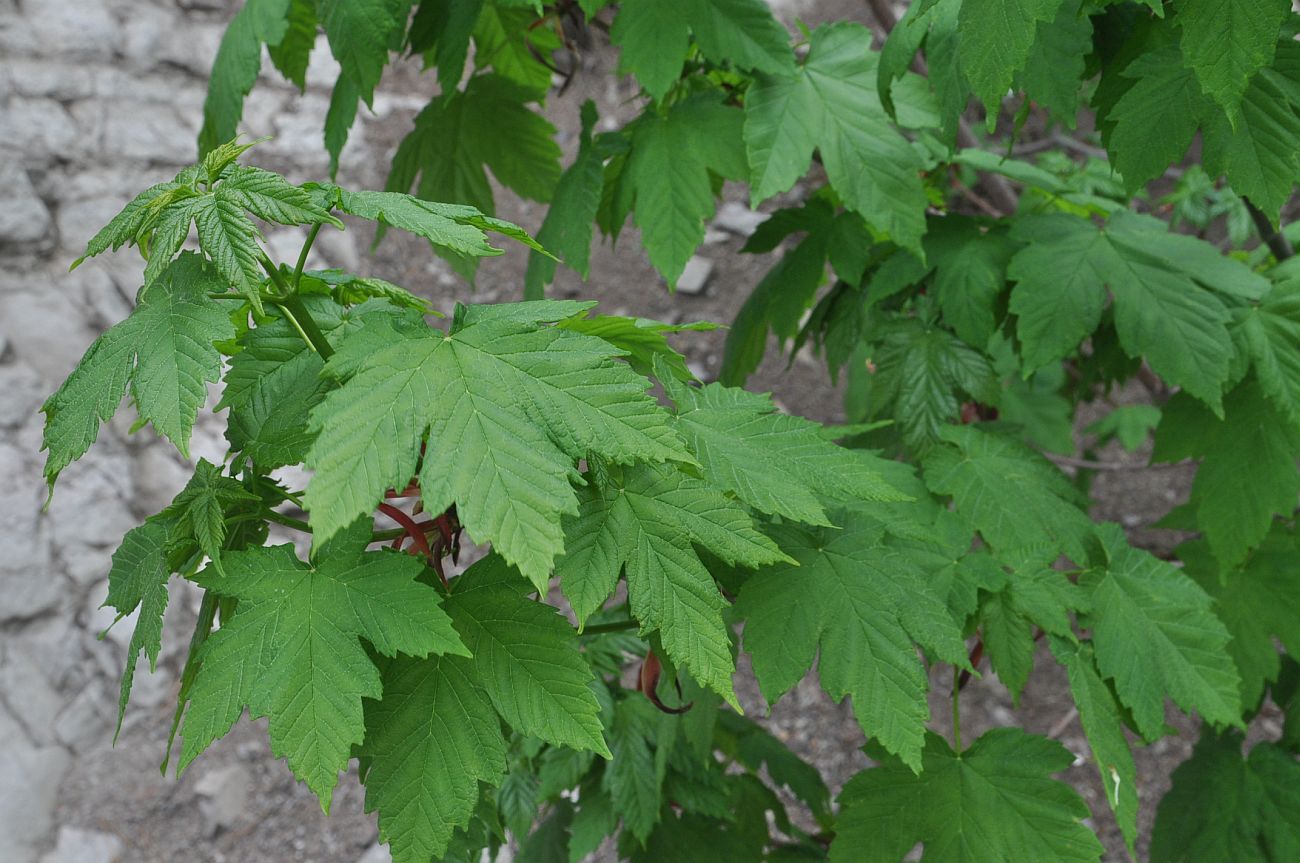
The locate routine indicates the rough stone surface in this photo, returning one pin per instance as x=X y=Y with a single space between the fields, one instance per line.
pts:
x=695 y=278
x=85 y=846
x=224 y=793
x=24 y=218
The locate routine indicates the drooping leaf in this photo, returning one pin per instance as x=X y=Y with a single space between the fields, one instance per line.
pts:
x=164 y=350
x=138 y=580
x=360 y=35
x=199 y=512
x=234 y=71
x=654 y=38
x=830 y=104
x=1156 y=636
x=992 y=803
x=292 y=53
x=292 y=650
x=1248 y=472
x=1272 y=334
x=997 y=39
x=429 y=742
x=1258 y=602
x=865 y=609
x=1225 y=44
x=646 y=520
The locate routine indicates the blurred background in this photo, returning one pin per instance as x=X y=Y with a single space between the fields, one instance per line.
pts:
x=101 y=98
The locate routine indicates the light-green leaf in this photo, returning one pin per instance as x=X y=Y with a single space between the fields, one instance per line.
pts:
x=292 y=650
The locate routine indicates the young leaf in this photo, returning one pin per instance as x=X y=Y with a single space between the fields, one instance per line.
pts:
x=360 y=33
x=200 y=511
x=830 y=104
x=1224 y=807
x=292 y=650
x=164 y=349
x=994 y=802
x=526 y=658
x=272 y=198
x=505 y=409
x=1034 y=595
x=1155 y=635
x=647 y=519
x=633 y=783
x=865 y=608
x=429 y=743
x=774 y=462
x=292 y=53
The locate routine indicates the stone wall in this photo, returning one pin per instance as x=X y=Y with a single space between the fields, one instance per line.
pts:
x=98 y=99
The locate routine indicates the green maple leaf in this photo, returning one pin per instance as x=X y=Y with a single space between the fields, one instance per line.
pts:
x=506 y=40
x=645 y=341
x=1258 y=601
x=991 y=803
x=234 y=71
x=632 y=780
x=292 y=53
x=654 y=38
x=1153 y=122
x=1272 y=335
x=970 y=274
x=567 y=229
x=293 y=652
x=429 y=743
x=1226 y=808
x=124 y=228
x=1161 y=311
x=163 y=350
x=1131 y=425
x=865 y=608
x=920 y=370
x=1155 y=635
x=830 y=104
x=360 y=34
x=985 y=472
x=1225 y=44
x=997 y=39
x=526 y=658
x=1248 y=471
x=1103 y=724
x=505 y=408
x=1056 y=62
x=1034 y=596
x=776 y=463
x=669 y=175
x=488 y=125
x=138 y=579
x=646 y=520
x=1252 y=153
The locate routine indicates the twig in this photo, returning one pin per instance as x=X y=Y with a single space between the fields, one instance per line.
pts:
x=1277 y=244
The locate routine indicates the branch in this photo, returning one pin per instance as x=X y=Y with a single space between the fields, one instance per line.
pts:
x=1277 y=244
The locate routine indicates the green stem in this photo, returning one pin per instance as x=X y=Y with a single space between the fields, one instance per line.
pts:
x=616 y=626
x=202 y=628
x=287 y=521
x=293 y=304
x=302 y=256
x=956 y=709
x=276 y=276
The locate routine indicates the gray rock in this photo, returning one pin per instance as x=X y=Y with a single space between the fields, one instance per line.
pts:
x=88 y=718
x=29 y=785
x=43 y=325
x=61 y=81
x=82 y=29
x=40 y=129
x=376 y=854
x=738 y=219
x=21 y=392
x=40 y=701
x=28 y=585
x=84 y=846
x=695 y=278
x=224 y=795
x=155 y=132
x=24 y=218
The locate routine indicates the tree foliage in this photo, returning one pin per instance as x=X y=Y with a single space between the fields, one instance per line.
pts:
x=975 y=297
